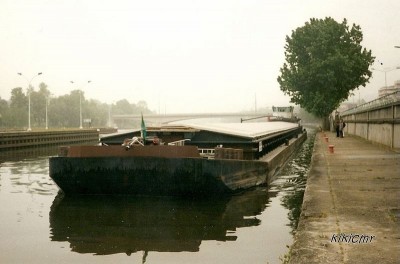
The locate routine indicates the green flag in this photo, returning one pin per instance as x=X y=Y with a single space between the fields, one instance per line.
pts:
x=143 y=130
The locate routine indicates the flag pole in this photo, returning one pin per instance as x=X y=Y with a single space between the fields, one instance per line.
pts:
x=143 y=130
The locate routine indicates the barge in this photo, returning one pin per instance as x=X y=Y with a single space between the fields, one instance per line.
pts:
x=191 y=160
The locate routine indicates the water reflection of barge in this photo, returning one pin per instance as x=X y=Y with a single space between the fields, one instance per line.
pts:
x=104 y=225
x=179 y=160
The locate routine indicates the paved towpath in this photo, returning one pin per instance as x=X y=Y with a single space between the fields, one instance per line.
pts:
x=351 y=206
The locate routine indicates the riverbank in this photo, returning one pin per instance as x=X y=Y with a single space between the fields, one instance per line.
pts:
x=351 y=206
x=37 y=138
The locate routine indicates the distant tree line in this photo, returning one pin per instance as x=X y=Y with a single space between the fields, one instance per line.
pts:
x=62 y=111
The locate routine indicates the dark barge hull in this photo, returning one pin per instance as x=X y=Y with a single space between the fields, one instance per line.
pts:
x=164 y=176
x=155 y=175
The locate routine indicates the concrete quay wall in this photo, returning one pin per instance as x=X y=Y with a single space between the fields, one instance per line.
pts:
x=378 y=125
x=16 y=140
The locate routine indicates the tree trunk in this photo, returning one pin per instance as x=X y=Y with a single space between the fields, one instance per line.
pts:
x=326 y=124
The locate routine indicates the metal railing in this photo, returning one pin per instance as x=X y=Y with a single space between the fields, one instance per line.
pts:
x=377 y=103
x=207 y=153
x=178 y=142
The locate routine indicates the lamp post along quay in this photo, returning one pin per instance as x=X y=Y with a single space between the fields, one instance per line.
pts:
x=80 y=103
x=47 y=106
x=29 y=96
x=47 y=122
x=386 y=71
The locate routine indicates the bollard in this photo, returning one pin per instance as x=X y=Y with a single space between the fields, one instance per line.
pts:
x=331 y=148
x=326 y=139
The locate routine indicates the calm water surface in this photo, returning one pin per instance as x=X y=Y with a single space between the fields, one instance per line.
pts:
x=38 y=225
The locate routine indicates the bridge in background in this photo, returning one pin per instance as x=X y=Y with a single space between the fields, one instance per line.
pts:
x=168 y=118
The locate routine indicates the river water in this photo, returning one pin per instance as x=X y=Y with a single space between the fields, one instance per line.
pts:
x=39 y=225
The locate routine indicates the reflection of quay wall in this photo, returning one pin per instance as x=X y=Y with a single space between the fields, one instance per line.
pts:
x=15 y=140
x=379 y=124
x=27 y=153
x=110 y=225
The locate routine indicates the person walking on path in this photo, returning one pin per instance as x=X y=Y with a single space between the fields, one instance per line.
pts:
x=342 y=125
x=337 y=128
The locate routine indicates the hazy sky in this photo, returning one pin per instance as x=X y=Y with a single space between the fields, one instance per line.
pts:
x=177 y=55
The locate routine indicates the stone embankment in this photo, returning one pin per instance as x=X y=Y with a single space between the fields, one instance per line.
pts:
x=25 y=139
x=351 y=206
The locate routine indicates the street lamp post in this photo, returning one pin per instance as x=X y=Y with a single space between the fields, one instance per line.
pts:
x=80 y=105
x=386 y=71
x=47 y=105
x=29 y=96
x=47 y=123
x=109 y=115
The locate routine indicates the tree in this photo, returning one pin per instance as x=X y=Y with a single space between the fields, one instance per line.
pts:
x=4 y=112
x=324 y=63
x=38 y=104
x=142 y=107
x=60 y=113
x=123 y=107
x=63 y=111
x=19 y=108
x=97 y=112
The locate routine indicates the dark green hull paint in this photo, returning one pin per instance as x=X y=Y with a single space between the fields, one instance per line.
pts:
x=155 y=175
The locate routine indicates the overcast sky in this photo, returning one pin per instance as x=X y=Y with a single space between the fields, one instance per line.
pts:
x=178 y=55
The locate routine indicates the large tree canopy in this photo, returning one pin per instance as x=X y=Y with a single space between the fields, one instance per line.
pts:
x=324 y=63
